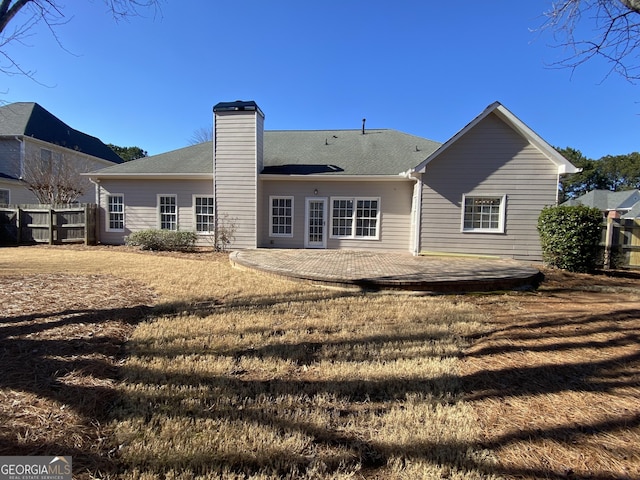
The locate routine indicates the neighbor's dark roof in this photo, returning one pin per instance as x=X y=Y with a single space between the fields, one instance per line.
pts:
x=31 y=120
x=298 y=152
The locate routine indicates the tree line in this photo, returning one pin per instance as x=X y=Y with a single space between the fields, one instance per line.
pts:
x=611 y=172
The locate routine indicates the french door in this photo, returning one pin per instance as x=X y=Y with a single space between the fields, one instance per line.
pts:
x=316 y=223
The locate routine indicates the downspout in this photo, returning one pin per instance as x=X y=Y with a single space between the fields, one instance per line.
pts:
x=416 y=200
x=98 y=204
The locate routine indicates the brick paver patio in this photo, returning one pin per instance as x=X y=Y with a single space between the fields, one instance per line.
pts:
x=381 y=271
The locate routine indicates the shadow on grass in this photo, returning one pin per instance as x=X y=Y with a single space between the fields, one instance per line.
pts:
x=231 y=392
x=67 y=359
x=36 y=364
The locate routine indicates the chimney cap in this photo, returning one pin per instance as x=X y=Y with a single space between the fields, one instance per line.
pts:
x=237 y=106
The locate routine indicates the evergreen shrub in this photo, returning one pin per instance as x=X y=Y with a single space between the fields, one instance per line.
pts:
x=570 y=237
x=166 y=240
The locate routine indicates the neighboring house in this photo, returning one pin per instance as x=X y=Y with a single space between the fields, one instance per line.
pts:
x=31 y=137
x=479 y=193
x=624 y=204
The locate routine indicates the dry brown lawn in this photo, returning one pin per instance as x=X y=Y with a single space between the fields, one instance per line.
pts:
x=555 y=378
x=144 y=366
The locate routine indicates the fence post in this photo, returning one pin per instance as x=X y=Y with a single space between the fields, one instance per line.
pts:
x=51 y=228
x=18 y=225
x=608 y=241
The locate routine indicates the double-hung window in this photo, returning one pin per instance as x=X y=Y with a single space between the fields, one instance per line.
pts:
x=355 y=217
x=281 y=217
x=204 y=213
x=167 y=212
x=115 y=215
x=483 y=214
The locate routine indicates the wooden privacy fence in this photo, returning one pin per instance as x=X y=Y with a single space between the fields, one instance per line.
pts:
x=621 y=243
x=52 y=224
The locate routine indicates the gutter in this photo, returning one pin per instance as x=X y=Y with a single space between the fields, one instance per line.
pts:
x=332 y=178
x=143 y=176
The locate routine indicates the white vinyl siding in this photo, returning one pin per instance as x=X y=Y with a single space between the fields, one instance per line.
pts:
x=490 y=159
x=167 y=212
x=5 y=197
x=281 y=216
x=204 y=210
x=483 y=214
x=115 y=213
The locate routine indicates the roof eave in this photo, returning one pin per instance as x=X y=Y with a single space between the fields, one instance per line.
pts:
x=332 y=178
x=149 y=176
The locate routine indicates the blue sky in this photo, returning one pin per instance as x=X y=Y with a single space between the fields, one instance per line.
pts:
x=421 y=67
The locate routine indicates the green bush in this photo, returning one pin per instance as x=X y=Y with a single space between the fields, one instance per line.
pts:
x=168 y=240
x=570 y=237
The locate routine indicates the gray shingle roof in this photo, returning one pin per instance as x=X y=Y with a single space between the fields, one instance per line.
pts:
x=303 y=152
x=607 y=200
x=343 y=152
x=634 y=212
x=195 y=159
x=31 y=120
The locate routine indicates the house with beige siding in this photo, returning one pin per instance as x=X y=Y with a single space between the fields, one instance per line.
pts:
x=479 y=193
x=36 y=146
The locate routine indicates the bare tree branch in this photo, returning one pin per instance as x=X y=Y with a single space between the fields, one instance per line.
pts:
x=53 y=178
x=614 y=34
x=49 y=12
x=201 y=135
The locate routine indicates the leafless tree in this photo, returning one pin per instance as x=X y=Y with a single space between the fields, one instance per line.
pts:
x=19 y=17
x=55 y=179
x=614 y=34
x=201 y=135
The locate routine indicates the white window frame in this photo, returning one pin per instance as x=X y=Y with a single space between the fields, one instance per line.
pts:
x=196 y=214
x=8 y=195
x=108 y=227
x=160 y=212
x=354 y=218
x=501 y=213
x=271 y=216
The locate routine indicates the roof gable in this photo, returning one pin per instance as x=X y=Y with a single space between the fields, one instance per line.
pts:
x=563 y=165
x=29 y=119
